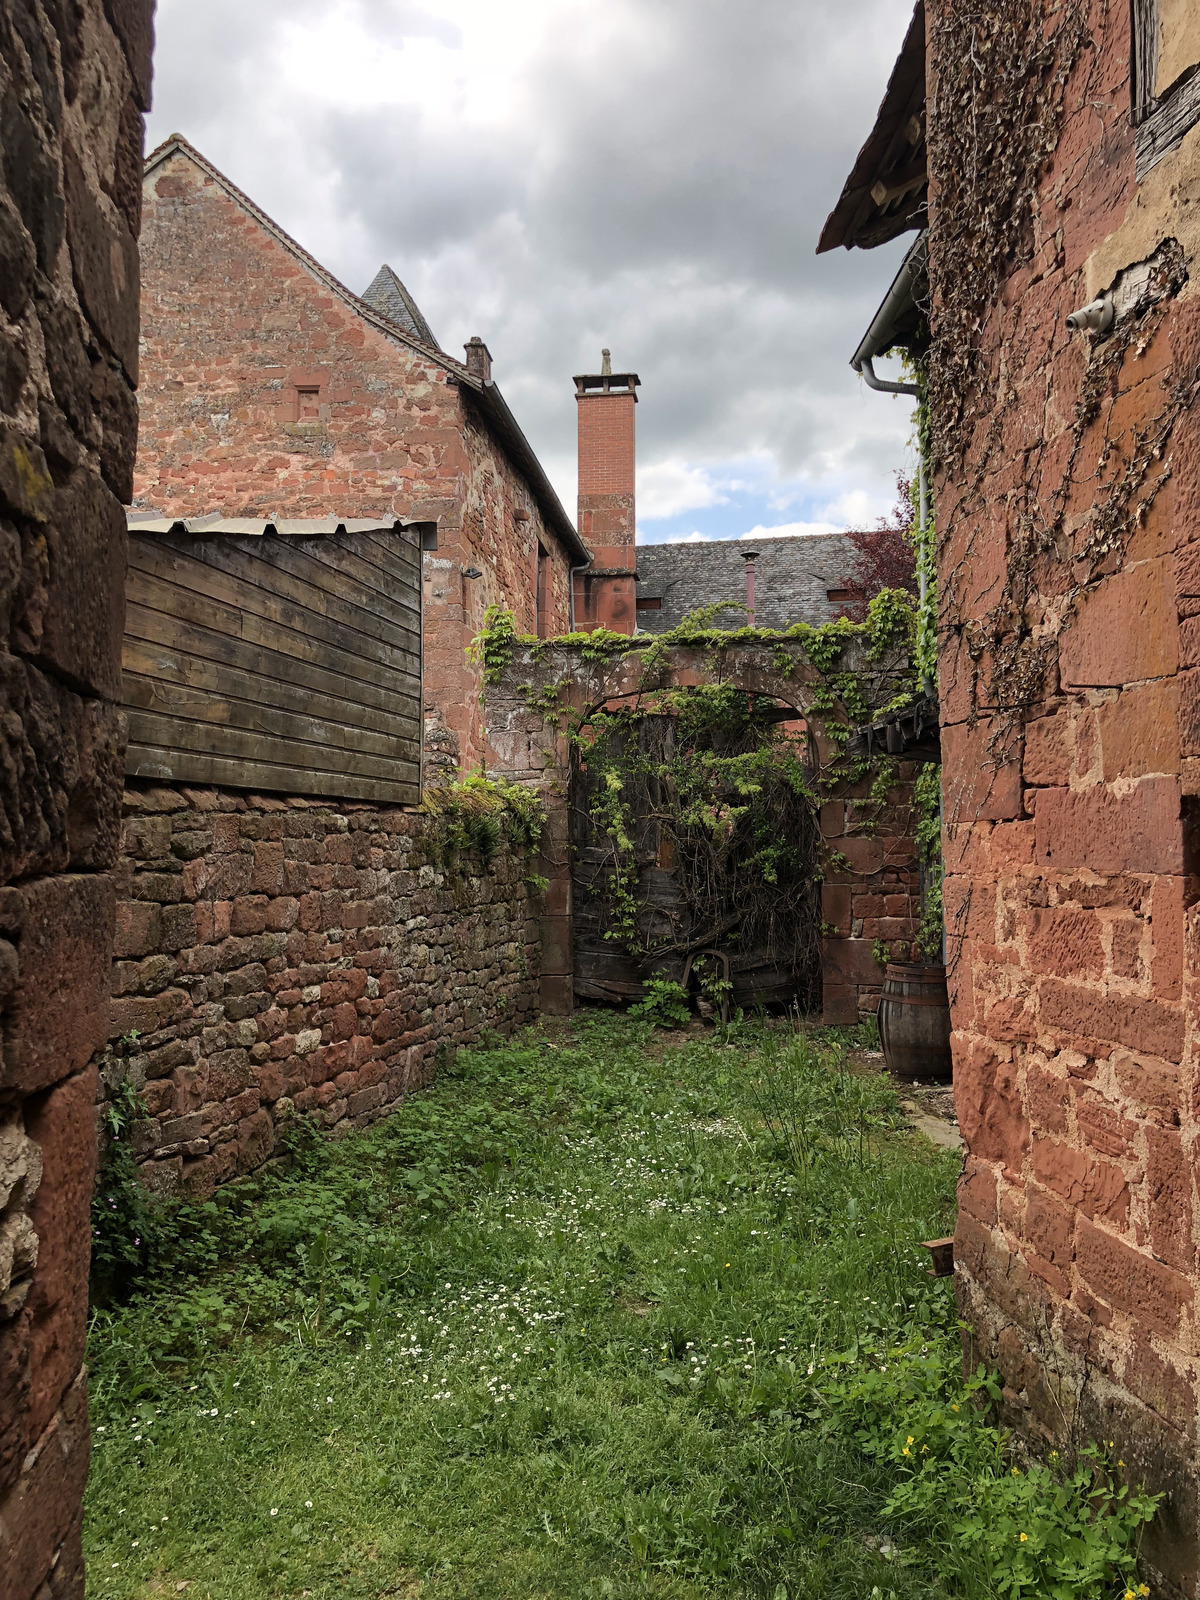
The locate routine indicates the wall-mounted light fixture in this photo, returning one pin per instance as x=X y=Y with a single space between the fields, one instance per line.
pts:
x=472 y=572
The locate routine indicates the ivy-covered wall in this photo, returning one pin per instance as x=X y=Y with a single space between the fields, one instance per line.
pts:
x=544 y=696
x=1066 y=482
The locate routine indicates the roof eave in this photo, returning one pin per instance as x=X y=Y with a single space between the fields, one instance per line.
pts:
x=493 y=404
x=850 y=223
x=508 y=430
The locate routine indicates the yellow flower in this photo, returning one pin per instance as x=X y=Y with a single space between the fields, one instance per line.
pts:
x=1143 y=1588
x=1120 y=1463
x=910 y=1440
x=1016 y=1474
x=954 y=1408
x=1024 y=1537
x=905 y=1451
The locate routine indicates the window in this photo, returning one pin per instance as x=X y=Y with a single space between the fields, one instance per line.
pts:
x=1164 y=83
x=837 y=597
x=308 y=405
x=648 y=604
x=543 y=592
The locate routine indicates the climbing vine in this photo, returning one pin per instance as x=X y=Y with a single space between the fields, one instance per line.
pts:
x=710 y=784
x=1022 y=549
x=696 y=808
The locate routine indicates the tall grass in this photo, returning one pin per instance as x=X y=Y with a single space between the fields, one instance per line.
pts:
x=590 y=1318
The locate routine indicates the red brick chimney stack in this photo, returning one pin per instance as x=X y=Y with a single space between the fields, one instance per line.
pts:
x=605 y=595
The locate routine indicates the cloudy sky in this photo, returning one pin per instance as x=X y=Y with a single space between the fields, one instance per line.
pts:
x=558 y=175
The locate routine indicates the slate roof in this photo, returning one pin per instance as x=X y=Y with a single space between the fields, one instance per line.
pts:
x=387 y=294
x=792 y=579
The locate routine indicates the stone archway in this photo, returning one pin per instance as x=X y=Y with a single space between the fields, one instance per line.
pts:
x=871 y=889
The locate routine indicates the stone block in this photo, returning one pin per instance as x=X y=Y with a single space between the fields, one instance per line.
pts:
x=1131 y=1281
x=41 y=1514
x=106 y=268
x=987 y=1102
x=63 y=950
x=1066 y=942
x=1137 y=830
x=61 y=1123
x=981 y=774
x=1169 y=1192
x=1124 y=631
x=1092 y=1019
x=849 y=963
x=1097 y=1188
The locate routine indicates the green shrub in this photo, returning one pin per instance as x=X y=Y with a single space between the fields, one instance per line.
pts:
x=665 y=1004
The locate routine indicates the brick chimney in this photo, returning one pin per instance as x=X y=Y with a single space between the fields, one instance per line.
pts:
x=605 y=595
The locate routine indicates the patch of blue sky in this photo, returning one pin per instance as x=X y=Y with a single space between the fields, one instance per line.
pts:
x=679 y=500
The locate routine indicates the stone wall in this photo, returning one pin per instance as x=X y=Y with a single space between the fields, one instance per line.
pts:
x=74 y=82
x=1066 y=507
x=280 y=957
x=872 y=881
x=268 y=390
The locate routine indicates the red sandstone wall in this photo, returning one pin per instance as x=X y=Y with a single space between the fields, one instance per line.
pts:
x=871 y=893
x=279 y=957
x=69 y=212
x=1066 y=509
x=606 y=593
x=234 y=328
x=871 y=889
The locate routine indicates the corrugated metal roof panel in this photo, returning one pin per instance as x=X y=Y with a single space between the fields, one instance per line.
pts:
x=255 y=527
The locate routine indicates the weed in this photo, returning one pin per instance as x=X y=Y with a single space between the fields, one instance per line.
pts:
x=665 y=1004
x=586 y=1319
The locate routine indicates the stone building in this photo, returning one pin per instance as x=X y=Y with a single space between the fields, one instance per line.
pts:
x=809 y=578
x=1052 y=153
x=74 y=82
x=270 y=390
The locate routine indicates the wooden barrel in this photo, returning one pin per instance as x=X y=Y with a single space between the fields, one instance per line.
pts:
x=914 y=1024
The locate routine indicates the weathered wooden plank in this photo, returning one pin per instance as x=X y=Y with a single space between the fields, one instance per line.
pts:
x=184 y=575
x=262 y=664
x=1144 y=66
x=152 y=631
x=168 y=665
x=395 y=562
x=318 y=642
x=1164 y=129
x=344 y=573
x=167 y=732
x=346 y=589
x=176 y=766
x=327 y=734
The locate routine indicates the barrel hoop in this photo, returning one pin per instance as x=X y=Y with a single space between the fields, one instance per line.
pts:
x=915 y=1000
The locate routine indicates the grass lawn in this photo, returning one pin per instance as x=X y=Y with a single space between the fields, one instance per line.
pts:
x=595 y=1316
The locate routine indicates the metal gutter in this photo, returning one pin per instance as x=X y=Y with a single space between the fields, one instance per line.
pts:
x=882 y=334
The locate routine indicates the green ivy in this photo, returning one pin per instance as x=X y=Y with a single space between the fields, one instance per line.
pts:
x=927 y=798
x=481 y=815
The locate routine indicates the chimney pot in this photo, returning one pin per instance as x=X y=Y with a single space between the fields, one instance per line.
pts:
x=479 y=359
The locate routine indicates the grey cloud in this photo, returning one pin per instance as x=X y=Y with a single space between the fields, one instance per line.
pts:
x=661 y=196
